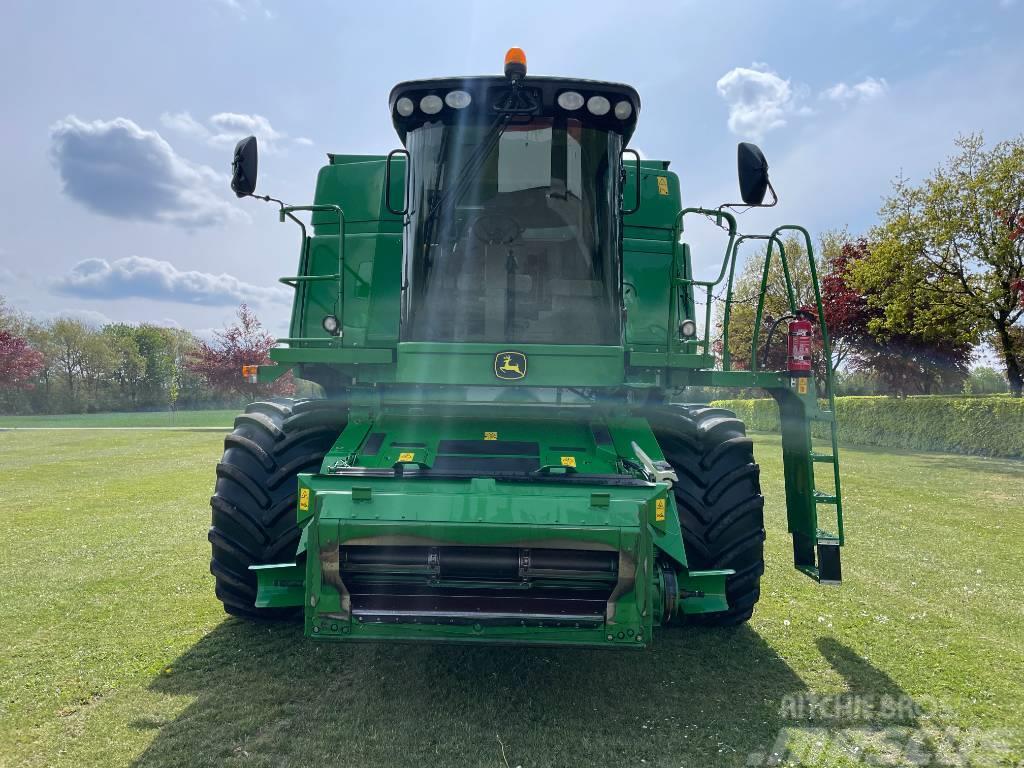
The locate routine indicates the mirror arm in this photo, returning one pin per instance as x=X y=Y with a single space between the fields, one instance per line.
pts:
x=282 y=212
x=743 y=207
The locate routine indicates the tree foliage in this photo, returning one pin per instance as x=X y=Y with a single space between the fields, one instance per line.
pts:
x=67 y=366
x=948 y=255
x=902 y=359
x=985 y=380
x=19 y=362
x=244 y=342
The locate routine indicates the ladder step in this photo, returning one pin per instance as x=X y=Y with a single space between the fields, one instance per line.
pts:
x=825 y=458
x=824 y=498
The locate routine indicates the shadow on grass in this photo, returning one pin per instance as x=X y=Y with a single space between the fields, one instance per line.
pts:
x=266 y=696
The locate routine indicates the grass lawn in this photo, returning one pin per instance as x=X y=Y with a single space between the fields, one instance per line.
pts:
x=115 y=651
x=222 y=418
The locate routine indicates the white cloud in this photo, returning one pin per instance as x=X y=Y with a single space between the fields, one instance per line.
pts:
x=867 y=89
x=116 y=168
x=141 y=277
x=224 y=129
x=185 y=124
x=759 y=100
x=229 y=127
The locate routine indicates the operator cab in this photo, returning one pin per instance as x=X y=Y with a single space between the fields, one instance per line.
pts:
x=513 y=203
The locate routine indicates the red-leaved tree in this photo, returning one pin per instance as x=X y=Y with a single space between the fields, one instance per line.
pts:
x=904 y=362
x=244 y=342
x=19 y=362
x=846 y=309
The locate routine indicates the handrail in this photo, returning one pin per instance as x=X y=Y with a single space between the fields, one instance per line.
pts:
x=677 y=230
x=727 y=315
x=678 y=281
x=729 y=263
x=288 y=211
x=772 y=239
x=826 y=344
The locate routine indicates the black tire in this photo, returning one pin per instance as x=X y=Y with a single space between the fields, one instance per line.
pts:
x=254 y=500
x=721 y=509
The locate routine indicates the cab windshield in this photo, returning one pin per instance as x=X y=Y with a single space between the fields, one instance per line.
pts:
x=521 y=249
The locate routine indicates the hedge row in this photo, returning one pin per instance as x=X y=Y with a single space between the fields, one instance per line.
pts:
x=988 y=426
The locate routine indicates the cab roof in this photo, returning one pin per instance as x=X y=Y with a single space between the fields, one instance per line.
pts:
x=485 y=92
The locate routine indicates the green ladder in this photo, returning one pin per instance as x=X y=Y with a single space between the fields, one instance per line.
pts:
x=815 y=547
x=828 y=569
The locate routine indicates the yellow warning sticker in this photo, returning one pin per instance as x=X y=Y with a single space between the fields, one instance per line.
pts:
x=801 y=386
x=568 y=461
x=662 y=185
x=659 y=510
x=490 y=435
x=304 y=499
x=406 y=456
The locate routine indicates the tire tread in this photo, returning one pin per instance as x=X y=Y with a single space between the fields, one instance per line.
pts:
x=253 y=504
x=718 y=497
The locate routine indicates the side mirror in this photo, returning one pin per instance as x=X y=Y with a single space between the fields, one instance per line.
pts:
x=753 y=173
x=244 y=166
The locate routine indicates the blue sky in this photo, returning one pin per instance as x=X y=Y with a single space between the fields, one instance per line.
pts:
x=117 y=120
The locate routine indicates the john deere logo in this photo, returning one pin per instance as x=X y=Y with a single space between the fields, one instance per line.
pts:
x=510 y=365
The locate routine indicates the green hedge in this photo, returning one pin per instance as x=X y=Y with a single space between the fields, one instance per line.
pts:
x=989 y=426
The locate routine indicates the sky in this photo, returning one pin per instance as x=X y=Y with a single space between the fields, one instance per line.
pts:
x=117 y=120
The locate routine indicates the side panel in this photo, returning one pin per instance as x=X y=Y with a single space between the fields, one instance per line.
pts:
x=647 y=255
x=366 y=297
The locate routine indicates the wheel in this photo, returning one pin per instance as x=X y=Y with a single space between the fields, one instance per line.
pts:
x=253 y=503
x=721 y=509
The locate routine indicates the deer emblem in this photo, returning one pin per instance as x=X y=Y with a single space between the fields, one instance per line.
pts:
x=513 y=365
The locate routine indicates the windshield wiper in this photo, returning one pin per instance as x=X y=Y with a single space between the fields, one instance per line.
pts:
x=516 y=104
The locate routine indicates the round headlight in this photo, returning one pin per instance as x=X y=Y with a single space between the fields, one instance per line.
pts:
x=457 y=99
x=331 y=325
x=598 y=105
x=404 y=106
x=431 y=104
x=570 y=100
x=623 y=110
x=688 y=328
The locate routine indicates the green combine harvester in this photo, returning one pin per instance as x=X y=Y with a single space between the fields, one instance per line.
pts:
x=500 y=315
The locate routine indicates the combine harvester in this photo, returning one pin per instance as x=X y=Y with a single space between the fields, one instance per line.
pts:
x=499 y=315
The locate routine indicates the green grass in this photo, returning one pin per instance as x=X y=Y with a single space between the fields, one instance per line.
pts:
x=219 y=418
x=115 y=651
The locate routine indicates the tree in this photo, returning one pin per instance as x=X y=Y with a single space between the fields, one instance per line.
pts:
x=245 y=342
x=10 y=320
x=953 y=248
x=99 y=365
x=129 y=368
x=985 y=380
x=846 y=309
x=903 y=357
x=69 y=340
x=19 y=362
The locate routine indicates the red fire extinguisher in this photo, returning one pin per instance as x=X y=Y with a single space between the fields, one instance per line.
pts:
x=799 y=343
